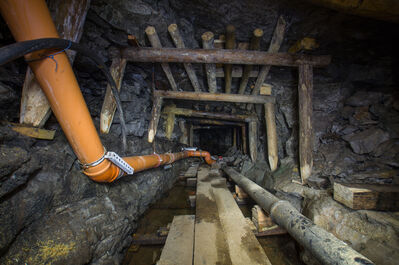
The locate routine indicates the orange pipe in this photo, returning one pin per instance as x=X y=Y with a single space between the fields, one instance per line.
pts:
x=31 y=19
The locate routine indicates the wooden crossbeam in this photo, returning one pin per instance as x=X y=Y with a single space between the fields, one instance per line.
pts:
x=211 y=56
x=201 y=96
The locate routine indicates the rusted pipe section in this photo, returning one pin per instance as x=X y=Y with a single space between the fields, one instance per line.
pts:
x=223 y=56
x=323 y=245
x=31 y=19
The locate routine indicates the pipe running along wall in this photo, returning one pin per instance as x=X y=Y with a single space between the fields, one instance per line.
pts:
x=323 y=245
x=31 y=19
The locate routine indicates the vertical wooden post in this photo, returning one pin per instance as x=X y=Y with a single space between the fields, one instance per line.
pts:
x=235 y=136
x=69 y=18
x=156 y=113
x=230 y=44
x=210 y=69
x=156 y=43
x=191 y=139
x=305 y=93
x=184 y=135
x=255 y=44
x=244 y=139
x=178 y=40
x=170 y=124
x=117 y=70
x=271 y=135
x=253 y=140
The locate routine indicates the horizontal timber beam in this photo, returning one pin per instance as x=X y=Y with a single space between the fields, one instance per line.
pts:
x=178 y=55
x=200 y=96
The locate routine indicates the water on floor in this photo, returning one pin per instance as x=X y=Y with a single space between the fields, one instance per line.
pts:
x=281 y=249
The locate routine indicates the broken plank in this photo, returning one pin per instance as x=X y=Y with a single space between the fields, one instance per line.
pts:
x=117 y=71
x=179 y=244
x=243 y=246
x=367 y=196
x=33 y=132
x=69 y=17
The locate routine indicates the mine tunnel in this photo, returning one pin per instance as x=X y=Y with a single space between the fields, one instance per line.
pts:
x=199 y=132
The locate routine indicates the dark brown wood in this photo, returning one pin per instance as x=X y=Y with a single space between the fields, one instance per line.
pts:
x=236 y=72
x=367 y=196
x=179 y=43
x=305 y=94
x=255 y=45
x=244 y=140
x=229 y=44
x=200 y=96
x=175 y=55
x=210 y=69
x=156 y=114
x=156 y=43
x=253 y=140
x=148 y=239
x=271 y=232
x=172 y=110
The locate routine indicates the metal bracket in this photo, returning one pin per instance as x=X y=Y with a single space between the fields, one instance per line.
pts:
x=119 y=162
x=189 y=149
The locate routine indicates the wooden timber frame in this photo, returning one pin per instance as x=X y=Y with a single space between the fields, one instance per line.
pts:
x=230 y=56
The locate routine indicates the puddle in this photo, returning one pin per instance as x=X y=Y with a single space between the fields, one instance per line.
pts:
x=281 y=249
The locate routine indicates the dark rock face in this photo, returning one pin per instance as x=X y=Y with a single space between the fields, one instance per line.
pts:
x=366 y=141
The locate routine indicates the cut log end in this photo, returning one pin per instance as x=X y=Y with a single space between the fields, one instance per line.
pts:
x=230 y=28
x=151 y=136
x=258 y=33
x=172 y=28
x=150 y=30
x=306 y=170
x=273 y=162
x=207 y=36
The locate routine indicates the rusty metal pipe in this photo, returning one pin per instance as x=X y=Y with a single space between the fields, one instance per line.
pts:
x=31 y=19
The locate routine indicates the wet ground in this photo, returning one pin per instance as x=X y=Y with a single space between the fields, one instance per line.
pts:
x=281 y=249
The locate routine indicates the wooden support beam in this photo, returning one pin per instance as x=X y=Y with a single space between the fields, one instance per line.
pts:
x=179 y=43
x=69 y=19
x=33 y=132
x=184 y=130
x=210 y=69
x=235 y=137
x=171 y=109
x=274 y=47
x=156 y=43
x=244 y=140
x=271 y=134
x=179 y=244
x=229 y=44
x=305 y=94
x=191 y=136
x=117 y=71
x=218 y=122
x=201 y=96
x=253 y=140
x=255 y=45
x=368 y=196
x=170 y=124
x=156 y=114
x=176 y=55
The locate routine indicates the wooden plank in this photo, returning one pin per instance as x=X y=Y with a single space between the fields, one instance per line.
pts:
x=191 y=171
x=367 y=196
x=243 y=246
x=253 y=140
x=117 y=71
x=271 y=133
x=210 y=245
x=69 y=18
x=305 y=95
x=179 y=43
x=33 y=132
x=156 y=114
x=156 y=43
x=236 y=72
x=179 y=245
x=220 y=97
x=148 y=239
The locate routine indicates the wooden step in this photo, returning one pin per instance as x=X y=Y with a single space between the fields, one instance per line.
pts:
x=191 y=171
x=179 y=244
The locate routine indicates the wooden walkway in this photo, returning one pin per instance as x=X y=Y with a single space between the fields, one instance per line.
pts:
x=219 y=233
